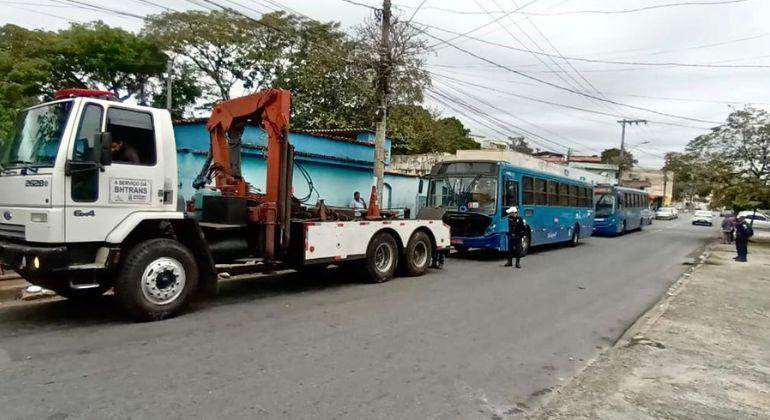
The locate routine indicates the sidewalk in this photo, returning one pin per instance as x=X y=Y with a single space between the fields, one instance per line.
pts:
x=701 y=353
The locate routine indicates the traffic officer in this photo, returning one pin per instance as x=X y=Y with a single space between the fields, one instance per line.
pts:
x=743 y=232
x=516 y=232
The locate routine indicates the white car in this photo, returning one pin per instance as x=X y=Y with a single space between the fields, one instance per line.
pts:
x=761 y=220
x=703 y=217
x=666 y=213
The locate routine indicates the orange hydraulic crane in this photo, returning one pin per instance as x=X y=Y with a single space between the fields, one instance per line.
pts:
x=271 y=110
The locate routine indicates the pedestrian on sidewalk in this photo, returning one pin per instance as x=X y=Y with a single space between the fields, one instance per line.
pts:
x=742 y=234
x=728 y=226
x=516 y=232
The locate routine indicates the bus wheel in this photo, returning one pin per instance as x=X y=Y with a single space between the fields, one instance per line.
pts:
x=575 y=236
x=381 y=258
x=526 y=242
x=418 y=255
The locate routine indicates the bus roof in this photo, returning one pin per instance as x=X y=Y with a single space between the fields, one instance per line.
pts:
x=491 y=167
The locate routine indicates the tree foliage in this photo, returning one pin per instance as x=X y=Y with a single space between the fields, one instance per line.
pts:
x=519 y=144
x=99 y=56
x=415 y=129
x=612 y=157
x=731 y=163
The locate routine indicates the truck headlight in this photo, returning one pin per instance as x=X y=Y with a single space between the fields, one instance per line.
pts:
x=491 y=229
x=39 y=217
x=36 y=263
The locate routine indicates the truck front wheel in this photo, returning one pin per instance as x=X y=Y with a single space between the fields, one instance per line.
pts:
x=156 y=280
x=381 y=258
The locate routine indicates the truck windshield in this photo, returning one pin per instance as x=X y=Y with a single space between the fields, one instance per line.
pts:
x=471 y=193
x=605 y=204
x=36 y=136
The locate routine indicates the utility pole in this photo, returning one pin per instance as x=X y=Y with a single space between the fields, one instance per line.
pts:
x=623 y=123
x=383 y=76
x=569 y=154
x=169 y=82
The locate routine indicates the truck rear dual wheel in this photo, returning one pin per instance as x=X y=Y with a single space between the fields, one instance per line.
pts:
x=156 y=280
x=418 y=255
x=381 y=258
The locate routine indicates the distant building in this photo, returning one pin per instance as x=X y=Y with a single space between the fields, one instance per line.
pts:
x=585 y=159
x=552 y=157
x=489 y=143
x=603 y=169
x=339 y=162
x=657 y=182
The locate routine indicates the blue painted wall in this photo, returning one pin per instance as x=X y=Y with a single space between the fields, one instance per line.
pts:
x=336 y=167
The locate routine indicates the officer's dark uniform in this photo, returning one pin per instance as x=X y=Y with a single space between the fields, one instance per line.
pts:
x=516 y=231
x=742 y=235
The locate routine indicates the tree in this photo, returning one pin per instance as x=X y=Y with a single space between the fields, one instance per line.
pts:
x=456 y=134
x=736 y=158
x=612 y=157
x=325 y=72
x=518 y=144
x=23 y=72
x=416 y=130
x=96 y=55
x=408 y=76
x=224 y=46
x=185 y=90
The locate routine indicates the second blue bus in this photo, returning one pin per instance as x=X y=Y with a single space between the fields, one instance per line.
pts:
x=620 y=209
x=476 y=194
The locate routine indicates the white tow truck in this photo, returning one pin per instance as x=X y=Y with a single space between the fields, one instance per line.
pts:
x=89 y=202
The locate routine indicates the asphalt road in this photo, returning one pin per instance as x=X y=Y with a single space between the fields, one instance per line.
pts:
x=475 y=340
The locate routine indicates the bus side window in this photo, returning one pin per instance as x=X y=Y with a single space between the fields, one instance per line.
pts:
x=529 y=190
x=511 y=194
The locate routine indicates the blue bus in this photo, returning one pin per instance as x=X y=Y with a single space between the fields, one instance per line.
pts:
x=475 y=195
x=620 y=209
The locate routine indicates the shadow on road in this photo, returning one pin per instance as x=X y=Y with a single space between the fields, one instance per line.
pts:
x=105 y=310
x=491 y=255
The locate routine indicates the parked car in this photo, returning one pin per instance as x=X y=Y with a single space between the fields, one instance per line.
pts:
x=703 y=217
x=666 y=213
x=761 y=220
x=647 y=216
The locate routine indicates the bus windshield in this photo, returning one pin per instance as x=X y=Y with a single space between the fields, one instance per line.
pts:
x=471 y=193
x=605 y=204
x=35 y=139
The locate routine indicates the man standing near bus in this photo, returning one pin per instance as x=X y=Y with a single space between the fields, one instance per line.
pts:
x=516 y=232
x=743 y=232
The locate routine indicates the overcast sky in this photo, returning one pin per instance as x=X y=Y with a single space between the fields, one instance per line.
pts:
x=732 y=33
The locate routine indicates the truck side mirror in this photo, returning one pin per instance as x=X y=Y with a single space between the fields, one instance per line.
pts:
x=103 y=148
x=419 y=187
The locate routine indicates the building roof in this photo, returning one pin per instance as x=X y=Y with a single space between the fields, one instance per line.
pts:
x=343 y=135
x=587 y=159
x=546 y=153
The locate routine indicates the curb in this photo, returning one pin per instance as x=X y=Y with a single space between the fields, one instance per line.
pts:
x=637 y=328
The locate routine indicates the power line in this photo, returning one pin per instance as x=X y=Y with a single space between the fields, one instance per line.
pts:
x=608 y=12
x=108 y=10
x=44 y=13
x=543 y=101
x=587 y=60
x=465 y=34
x=556 y=86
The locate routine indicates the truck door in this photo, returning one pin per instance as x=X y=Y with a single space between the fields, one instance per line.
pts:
x=99 y=199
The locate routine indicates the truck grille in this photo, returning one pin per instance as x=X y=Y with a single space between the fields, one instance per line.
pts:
x=12 y=231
